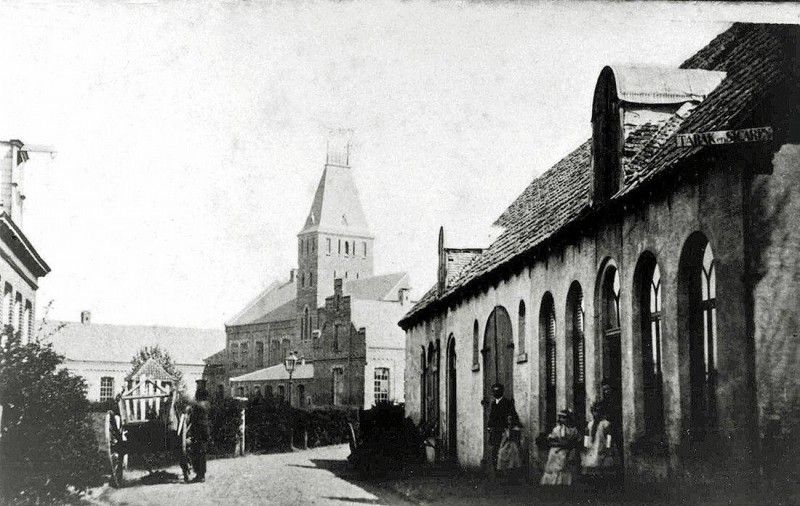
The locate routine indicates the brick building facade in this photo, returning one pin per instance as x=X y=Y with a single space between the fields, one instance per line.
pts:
x=321 y=312
x=658 y=278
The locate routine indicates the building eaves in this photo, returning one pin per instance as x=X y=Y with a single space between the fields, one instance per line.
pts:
x=754 y=58
x=22 y=247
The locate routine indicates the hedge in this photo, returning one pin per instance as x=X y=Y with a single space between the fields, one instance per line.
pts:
x=272 y=425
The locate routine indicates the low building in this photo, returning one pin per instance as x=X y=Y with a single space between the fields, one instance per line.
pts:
x=654 y=268
x=102 y=353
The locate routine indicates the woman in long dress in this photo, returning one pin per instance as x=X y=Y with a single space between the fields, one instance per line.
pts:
x=562 y=459
x=598 y=461
x=509 y=457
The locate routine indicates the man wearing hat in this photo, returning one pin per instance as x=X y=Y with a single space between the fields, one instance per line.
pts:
x=499 y=412
x=199 y=431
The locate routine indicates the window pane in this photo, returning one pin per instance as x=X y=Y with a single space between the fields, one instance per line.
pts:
x=705 y=340
x=712 y=282
x=714 y=335
x=708 y=258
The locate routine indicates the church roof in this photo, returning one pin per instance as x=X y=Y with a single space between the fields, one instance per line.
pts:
x=274 y=297
x=382 y=287
x=755 y=57
x=336 y=208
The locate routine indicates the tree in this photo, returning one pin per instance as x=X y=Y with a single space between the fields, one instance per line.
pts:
x=162 y=357
x=48 y=447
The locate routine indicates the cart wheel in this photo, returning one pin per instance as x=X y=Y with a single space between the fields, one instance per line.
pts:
x=113 y=440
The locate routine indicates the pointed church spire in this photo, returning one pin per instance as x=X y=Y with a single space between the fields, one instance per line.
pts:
x=336 y=208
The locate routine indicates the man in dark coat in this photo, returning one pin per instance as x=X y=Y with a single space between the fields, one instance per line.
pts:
x=199 y=432
x=499 y=412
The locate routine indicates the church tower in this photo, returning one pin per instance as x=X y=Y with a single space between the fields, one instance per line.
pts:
x=335 y=241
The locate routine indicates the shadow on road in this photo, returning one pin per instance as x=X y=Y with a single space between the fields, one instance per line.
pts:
x=344 y=471
x=354 y=499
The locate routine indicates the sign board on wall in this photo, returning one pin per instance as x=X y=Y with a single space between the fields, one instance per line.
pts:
x=761 y=134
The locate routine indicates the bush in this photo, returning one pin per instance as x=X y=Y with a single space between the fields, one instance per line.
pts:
x=48 y=445
x=272 y=425
x=224 y=418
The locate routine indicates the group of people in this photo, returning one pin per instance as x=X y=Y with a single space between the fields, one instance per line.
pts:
x=591 y=455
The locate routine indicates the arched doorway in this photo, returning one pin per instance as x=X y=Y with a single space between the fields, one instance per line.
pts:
x=611 y=345
x=498 y=358
x=452 y=400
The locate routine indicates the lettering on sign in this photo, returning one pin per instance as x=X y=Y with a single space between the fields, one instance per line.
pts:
x=761 y=134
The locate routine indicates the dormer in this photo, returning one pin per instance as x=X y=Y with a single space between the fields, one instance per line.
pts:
x=638 y=99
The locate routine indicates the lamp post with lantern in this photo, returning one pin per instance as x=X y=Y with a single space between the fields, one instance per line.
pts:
x=290 y=363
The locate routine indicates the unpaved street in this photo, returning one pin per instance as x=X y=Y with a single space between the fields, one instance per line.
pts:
x=304 y=477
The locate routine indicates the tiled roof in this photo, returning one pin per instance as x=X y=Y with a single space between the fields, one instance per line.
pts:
x=754 y=57
x=383 y=287
x=457 y=260
x=278 y=372
x=287 y=311
x=273 y=297
x=119 y=343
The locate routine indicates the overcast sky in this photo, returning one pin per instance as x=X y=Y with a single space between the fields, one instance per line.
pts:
x=191 y=136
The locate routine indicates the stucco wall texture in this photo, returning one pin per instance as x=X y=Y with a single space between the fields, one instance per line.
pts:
x=749 y=389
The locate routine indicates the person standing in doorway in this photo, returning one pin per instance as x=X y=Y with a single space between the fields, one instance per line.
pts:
x=199 y=432
x=502 y=413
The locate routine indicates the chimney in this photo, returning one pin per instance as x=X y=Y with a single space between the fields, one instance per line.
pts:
x=402 y=295
x=86 y=317
x=292 y=274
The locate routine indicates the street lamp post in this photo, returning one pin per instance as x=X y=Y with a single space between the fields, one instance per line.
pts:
x=290 y=363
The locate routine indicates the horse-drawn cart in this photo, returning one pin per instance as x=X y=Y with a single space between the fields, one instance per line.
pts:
x=147 y=424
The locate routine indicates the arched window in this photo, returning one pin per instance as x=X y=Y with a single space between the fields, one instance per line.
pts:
x=347 y=247
x=547 y=333
x=521 y=329
x=432 y=383
x=476 y=357
x=648 y=302
x=310 y=279
x=234 y=355
x=305 y=325
x=576 y=343
x=423 y=374
x=697 y=320
x=302 y=279
x=611 y=340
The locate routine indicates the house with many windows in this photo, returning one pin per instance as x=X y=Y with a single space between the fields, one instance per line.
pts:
x=333 y=311
x=102 y=353
x=654 y=269
x=21 y=266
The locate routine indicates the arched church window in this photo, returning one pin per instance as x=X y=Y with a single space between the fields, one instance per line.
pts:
x=476 y=361
x=574 y=324
x=521 y=328
x=648 y=283
x=547 y=318
x=347 y=247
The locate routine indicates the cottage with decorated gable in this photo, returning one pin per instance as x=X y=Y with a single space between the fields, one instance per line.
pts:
x=652 y=269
